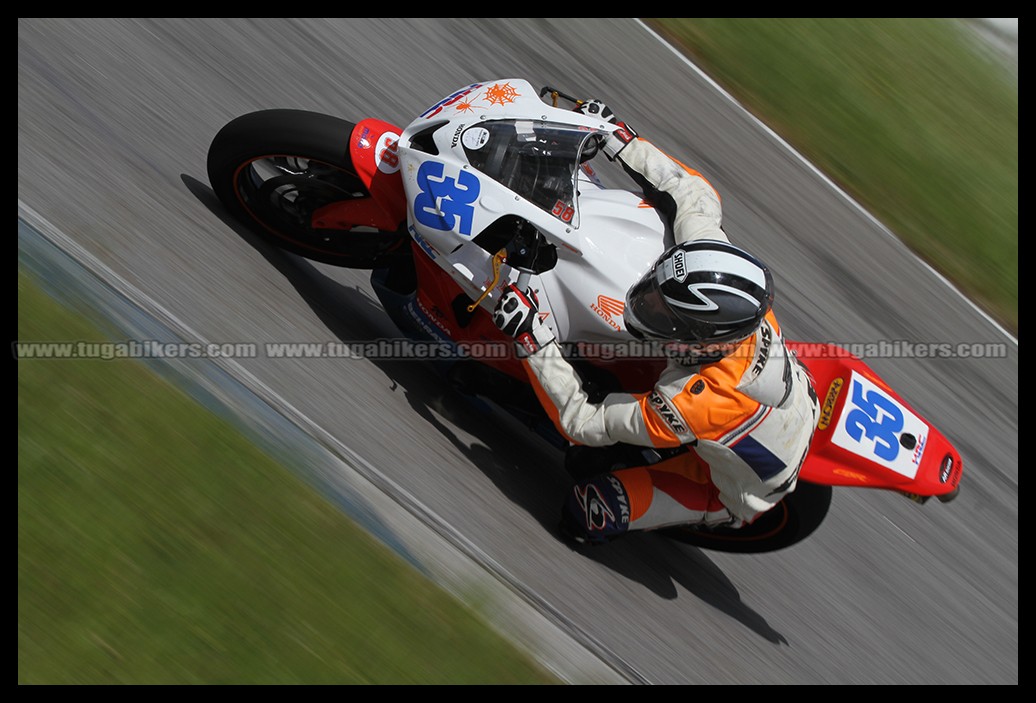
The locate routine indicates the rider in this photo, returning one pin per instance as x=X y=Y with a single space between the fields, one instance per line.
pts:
x=722 y=436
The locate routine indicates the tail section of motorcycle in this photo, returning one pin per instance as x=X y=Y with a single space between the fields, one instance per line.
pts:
x=868 y=436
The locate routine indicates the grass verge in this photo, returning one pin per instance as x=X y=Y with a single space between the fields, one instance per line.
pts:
x=909 y=116
x=157 y=545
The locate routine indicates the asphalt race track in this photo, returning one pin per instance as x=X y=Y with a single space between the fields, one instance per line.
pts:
x=115 y=117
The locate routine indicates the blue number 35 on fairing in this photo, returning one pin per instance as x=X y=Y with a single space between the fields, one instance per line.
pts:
x=445 y=203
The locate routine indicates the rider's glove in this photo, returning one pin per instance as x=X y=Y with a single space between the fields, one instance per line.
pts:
x=516 y=315
x=595 y=108
x=616 y=141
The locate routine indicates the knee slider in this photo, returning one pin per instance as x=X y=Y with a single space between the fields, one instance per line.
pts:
x=597 y=510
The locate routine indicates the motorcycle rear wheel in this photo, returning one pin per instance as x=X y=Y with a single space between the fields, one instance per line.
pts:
x=796 y=517
x=273 y=169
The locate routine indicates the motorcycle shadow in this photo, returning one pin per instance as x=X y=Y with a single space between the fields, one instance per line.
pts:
x=523 y=466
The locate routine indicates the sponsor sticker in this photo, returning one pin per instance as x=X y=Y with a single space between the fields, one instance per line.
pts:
x=828 y=408
x=363 y=142
x=475 y=138
x=679 y=268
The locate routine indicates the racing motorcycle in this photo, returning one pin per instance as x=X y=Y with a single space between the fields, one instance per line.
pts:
x=496 y=184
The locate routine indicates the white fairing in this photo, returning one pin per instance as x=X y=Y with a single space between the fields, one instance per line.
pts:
x=605 y=239
x=618 y=240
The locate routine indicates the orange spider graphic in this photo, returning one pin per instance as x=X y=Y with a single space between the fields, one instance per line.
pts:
x=495 y=95
x=467 y=106
x=501 y=94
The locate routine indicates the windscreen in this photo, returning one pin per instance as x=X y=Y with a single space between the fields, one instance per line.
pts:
x=537 y=160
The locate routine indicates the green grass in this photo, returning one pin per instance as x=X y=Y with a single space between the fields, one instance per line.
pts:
x=157 y=545
x=905 y=114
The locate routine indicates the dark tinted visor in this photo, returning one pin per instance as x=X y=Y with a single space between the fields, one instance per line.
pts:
x=648 y=311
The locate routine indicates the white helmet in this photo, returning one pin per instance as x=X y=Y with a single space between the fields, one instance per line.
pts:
x=705 y=292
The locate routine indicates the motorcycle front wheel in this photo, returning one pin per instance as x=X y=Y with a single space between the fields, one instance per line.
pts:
x=273 y=170
x=796 y=517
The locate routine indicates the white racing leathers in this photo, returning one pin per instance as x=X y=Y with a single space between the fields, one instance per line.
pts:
x=749 y=416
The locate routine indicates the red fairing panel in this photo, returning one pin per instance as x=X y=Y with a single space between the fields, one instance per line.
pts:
x=372 y=147
x=867 y=435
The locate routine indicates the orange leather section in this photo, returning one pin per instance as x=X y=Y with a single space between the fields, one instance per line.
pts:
x=660 y=433
x=718 y=407
x=637 y=482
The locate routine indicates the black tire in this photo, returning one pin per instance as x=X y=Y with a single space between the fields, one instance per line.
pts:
x=790 y=521
x=273 y=168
